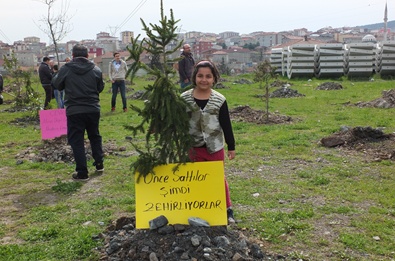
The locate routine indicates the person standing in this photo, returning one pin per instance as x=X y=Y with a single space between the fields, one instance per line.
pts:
x=117 y=73
x=58 y=94
x=210 y=125
x=1 y=89
x=45 y=74
x=185 y=66
x=1 y=83
x=82 y=83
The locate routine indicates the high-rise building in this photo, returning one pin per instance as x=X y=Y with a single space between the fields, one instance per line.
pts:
x=126 y=37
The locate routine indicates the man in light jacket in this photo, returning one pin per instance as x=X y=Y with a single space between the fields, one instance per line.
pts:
x=117 y=73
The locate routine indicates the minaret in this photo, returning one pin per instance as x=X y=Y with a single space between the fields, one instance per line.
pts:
x=385 y=22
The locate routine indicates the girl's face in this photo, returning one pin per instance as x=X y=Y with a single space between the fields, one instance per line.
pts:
x=204 y=78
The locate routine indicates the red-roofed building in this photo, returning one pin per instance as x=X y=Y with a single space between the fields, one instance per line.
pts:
x=200 y=47
x=95 y=51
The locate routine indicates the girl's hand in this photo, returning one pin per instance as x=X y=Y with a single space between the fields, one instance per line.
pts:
x=231 y=154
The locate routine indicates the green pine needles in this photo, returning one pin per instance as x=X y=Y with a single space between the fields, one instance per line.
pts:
x=164 y=115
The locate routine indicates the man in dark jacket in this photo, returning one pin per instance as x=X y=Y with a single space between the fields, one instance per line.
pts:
x=45 y=74
x=82 y=82
x=1 y=83
x=185 y=66
x=1 y=89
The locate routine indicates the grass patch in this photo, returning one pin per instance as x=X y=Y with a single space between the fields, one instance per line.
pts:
x=285 y=187
x=66 y=187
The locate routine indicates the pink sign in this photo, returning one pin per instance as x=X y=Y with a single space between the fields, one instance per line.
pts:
x=53 y=123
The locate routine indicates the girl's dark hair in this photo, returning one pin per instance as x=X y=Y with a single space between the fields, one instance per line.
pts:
x=208 y=64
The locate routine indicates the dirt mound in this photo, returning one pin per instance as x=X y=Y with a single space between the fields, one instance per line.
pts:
x=386 y=101
x=138 y=95
x=178 y=242
x=220 y=85
x=58 y=150
x=24 y=121
x=329 y=86
x=285 y=92
x=278 y=83
x=242 y=81
x=373 y=143
x=246 y=114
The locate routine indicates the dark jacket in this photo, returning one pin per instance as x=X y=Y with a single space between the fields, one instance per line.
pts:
x=82 y=82
x=45 y=74
x=1 y=83
x=185 y=66
x=1 y=89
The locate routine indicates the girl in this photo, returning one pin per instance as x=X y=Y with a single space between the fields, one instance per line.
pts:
x=210 y=124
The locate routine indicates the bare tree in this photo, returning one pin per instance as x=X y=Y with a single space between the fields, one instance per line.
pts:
x=56 y=24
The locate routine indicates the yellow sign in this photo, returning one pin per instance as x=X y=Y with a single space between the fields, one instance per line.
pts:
x=193 y=190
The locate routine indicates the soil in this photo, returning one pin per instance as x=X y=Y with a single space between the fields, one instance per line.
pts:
x=246 y=114
x=374 y=144
x=57 y=150
x=328 y=86
x=285 y=92
x=386 y=101
x=178 y=242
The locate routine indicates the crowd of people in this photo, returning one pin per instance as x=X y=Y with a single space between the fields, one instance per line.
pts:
x=77 y=85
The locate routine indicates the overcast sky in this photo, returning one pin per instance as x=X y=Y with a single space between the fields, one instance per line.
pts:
x=21 y=18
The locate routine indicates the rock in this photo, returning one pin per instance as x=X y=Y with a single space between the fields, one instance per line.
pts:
x=114 y=246
x=87 y=223
x=179 y=250
x=198 y=222
x=158 y=222
x=256 y=251
x=185 y=256
x=166 y=230
x=179 y=227
x=153 y=257
x=217 y=243
x=19 y=162
x=195 y=240
x=221 y=241
x=237 y=257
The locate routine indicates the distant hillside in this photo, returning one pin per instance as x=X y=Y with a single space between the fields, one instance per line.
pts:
x=390 y=25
